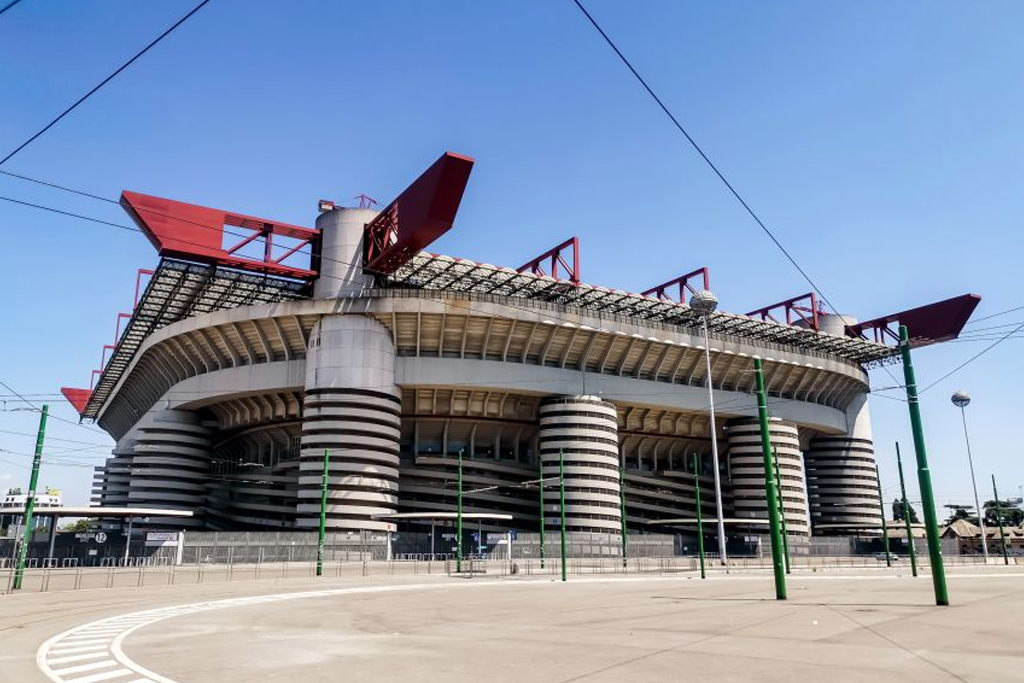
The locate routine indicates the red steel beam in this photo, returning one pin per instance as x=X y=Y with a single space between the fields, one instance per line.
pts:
x=796 y=309
x=138 y=284
x=78 y=398
x=197 y=233
x=417 y=217
x=928 y=324
x=536 y=266
x=683 y=281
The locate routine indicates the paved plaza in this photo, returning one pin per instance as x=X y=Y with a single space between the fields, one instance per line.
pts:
x=836 y=626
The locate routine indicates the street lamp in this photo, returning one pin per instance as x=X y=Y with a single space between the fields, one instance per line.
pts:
x=961 y=400
x=704 y=304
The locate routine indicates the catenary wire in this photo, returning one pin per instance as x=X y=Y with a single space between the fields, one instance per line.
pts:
x=976 y=356
x=102 y=83
x=711 y=164
x=9 y=5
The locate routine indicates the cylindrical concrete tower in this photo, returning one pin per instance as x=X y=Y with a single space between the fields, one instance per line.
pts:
x=352 y=408
x=746 y=467
x=842 y=483
x=170 y=464
x=585 y=430
x=341 y=249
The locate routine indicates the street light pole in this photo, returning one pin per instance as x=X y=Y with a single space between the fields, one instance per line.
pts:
x=322 y=533
x=561 y=503
x=622 y=511
x=906 y=514
x=924 y=474
x=543 y=521
x=881 y=509
x=782 y=507
x=769 y=484
x=458 y=525
x=705 y=303
x=999 y=521
x=700 y=518
x=30 y=500
x=961 y=400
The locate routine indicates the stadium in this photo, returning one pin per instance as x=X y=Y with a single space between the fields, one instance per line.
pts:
x=254 y=347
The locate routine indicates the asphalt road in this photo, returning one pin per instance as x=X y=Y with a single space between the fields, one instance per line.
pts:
x=876 y=626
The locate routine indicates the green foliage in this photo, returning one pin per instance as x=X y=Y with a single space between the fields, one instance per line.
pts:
x=1011 y=514
x=80 y=526
x=965 y=512
x=898 y=513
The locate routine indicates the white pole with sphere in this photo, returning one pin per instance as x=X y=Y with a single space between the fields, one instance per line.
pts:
x=704 y=304
x=961 y=400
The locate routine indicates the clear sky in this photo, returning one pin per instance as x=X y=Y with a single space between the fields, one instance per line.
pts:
x=883 y=142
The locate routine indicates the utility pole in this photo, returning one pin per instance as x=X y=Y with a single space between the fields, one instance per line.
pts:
x=769 y=484
x=906 y=514
x=700 y=518
x=999 y=521
x=924 y=475
x=30 y=500
x=782 y=508
x=321 y=538
x=561 y=505
x=622 y=511
x=881 y=509
x=458 y=523
x=543 y=520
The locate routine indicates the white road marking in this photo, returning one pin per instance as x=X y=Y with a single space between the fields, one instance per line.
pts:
x=104 y=638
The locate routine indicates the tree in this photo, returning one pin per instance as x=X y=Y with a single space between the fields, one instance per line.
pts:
x=1011 y=514
x=957 y=512
x=898 y=514
x=79 y=526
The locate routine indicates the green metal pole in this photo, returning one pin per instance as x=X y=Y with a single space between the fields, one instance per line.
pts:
x=782 y=508
x=999 y=521
x=458 y=522
x=540 y=488
x=700 y=517
x=561 y=503
x=323 y=517
x=769 y=485
x=622 y=514
x=906 y=514
x=30 y=500
x=881 y=509
x=924 y=475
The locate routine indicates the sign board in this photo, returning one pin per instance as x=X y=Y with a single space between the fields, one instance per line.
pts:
x=101 y=537
x=161 y=538
x=493 y=538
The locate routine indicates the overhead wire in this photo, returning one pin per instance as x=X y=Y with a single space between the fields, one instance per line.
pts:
x=711 y=164
x=102 y=83
x=8 y=6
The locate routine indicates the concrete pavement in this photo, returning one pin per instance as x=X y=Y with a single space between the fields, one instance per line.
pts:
x=835 y=627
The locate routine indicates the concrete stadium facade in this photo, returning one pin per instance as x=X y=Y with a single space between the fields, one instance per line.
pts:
x=228 y=413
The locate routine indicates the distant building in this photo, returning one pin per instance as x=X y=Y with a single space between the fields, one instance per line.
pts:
x=17 y=497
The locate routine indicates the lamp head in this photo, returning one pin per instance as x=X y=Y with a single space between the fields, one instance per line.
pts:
x=960 y=399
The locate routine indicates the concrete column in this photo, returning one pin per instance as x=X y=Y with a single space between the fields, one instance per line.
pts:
x=341 y=248
x=586 y=430
x=746 y=464
x=353 y=408
x=842 y=483
x=169 y=465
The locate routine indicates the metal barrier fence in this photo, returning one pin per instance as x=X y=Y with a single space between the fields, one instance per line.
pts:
x=48 y=575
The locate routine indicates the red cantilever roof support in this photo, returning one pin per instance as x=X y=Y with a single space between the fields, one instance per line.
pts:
x=79 y=398
x=421 y=214
x=138 y=284
x=661 y=291
x=536 y=266
x=796 y=309
x=929 y=324
x=117 y=327
x=197 y=233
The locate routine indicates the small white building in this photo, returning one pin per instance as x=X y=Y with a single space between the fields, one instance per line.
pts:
x=17 y=497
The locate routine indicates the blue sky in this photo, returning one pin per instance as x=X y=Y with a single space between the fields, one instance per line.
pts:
x=881 y=141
